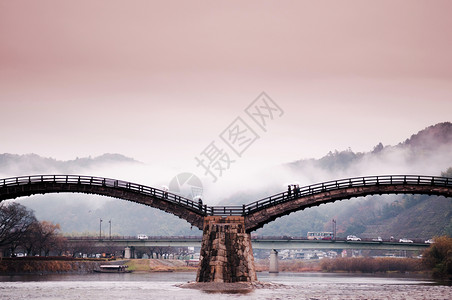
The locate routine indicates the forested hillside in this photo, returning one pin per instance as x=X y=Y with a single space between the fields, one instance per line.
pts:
x=429 y=152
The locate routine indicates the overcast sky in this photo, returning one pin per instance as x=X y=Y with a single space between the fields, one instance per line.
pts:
x=160 y=81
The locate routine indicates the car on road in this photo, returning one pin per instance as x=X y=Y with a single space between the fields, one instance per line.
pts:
x=142 y=237
x=405 y=240
x=353 y=238
x=429 y=241
x=378 y=239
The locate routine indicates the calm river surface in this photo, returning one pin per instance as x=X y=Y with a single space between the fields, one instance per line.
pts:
x=164 y=286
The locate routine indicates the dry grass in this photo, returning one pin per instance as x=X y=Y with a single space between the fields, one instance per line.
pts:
x=294 y=265
x=62 y=266
x=159 y=265
x=371 y=265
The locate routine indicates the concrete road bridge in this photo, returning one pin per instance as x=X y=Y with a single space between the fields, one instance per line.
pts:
x=267 y=243
x=226 y=252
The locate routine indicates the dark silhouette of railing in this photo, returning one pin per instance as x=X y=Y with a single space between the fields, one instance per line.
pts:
x=104 y=182
x=231 y=210
x=389 y=180
x=298 y=192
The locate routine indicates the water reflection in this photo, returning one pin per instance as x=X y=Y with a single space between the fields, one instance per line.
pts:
x=165 y=286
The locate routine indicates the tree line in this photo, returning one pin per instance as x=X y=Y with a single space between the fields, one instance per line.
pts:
x=21 y=232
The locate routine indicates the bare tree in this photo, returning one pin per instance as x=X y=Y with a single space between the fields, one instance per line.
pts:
x=15 y=221
x=161 y=251
x=31 y=240
x=81 y=247
x=150 y=251
x=50 y=237
x=58 y=244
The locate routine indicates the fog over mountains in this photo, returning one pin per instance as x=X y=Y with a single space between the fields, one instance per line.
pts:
x=428 y=152
x=16 y=165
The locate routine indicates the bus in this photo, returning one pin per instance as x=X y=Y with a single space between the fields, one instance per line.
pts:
x=320 y=235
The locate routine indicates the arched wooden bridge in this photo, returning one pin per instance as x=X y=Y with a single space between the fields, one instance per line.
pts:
x=182 y=207
x=256 y=214
x=226 y=252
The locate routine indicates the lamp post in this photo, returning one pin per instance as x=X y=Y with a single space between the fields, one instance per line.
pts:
x=334 y=229
x=100 y=229
x=109 y=222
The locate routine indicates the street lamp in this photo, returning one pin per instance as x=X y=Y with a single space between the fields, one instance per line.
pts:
x=100 y=229
x=109 y=222
x=334 y=229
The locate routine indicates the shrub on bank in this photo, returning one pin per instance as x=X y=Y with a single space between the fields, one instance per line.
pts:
x=438 y=257
x=371 y=265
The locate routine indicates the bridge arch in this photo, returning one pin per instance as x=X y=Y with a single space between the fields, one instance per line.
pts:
x=236 y=262
x=264 y=211
x=255 y=214
x=183 y=208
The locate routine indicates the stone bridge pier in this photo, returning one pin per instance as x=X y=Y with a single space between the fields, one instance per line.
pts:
x=226 y=252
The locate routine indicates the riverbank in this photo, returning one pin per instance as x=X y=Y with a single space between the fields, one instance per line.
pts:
x=47 y=265
x=159 y=265
x=59 y=265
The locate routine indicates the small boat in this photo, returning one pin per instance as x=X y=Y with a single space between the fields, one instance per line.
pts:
x=112 y=269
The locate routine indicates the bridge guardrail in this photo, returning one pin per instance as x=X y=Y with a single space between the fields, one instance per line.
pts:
x=107 y=182
x=237 y=210
x=346 y=183
x=416 y=241
x=95 y=238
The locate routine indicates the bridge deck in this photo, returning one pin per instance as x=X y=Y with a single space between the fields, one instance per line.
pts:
x=258 y=243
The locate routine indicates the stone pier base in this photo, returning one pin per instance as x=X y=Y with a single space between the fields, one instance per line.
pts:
x=127 y=253
x=226 y=252
x=273 y=262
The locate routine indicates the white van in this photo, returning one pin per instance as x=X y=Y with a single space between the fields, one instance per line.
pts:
x=353 y=238
x=142 y=237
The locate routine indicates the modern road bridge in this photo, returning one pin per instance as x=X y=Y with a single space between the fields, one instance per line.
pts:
x=226 y=250
x=268 y=243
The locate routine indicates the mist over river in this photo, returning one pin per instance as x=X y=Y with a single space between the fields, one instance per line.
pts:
x=166 y=286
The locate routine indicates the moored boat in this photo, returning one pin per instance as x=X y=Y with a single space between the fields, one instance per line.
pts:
x=113 y=269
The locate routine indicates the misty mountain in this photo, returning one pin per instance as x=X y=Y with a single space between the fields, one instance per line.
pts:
x=433 y=144
x=15 y=165
x=427 y=152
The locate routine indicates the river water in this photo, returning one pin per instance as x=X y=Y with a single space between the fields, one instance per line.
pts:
x=165 y=286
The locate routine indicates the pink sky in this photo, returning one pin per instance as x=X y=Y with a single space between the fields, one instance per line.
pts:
x=160 y=80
